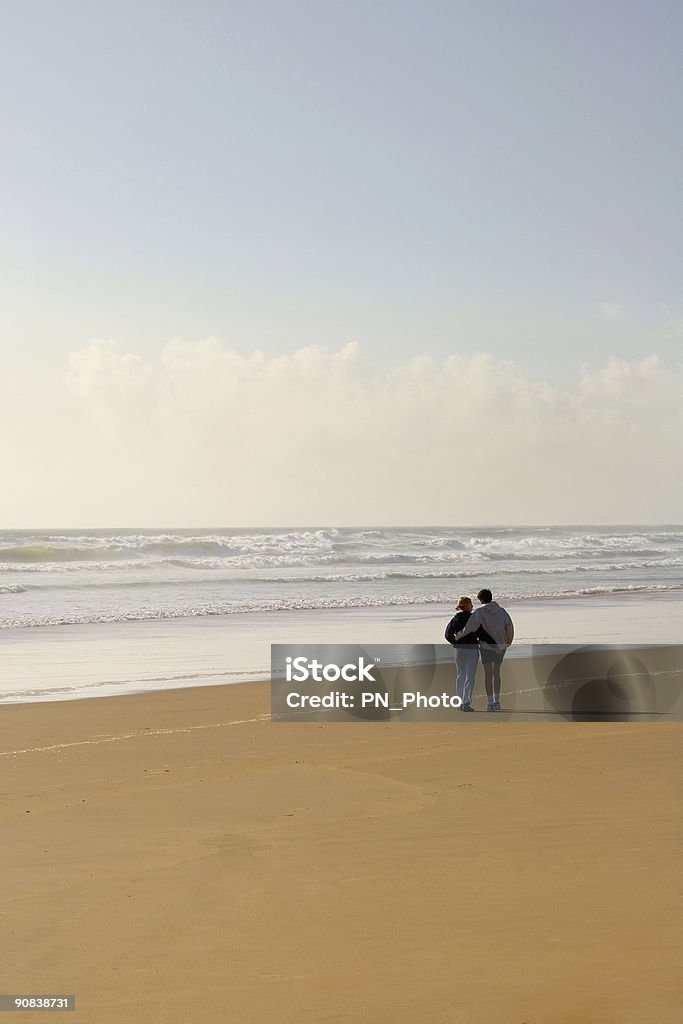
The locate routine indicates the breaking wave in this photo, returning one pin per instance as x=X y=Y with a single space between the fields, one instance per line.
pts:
x=311 y=604
x=329 y=546
x=68 y=577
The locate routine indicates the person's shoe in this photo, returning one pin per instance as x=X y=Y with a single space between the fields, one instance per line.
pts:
x=467 y=707
x=496 y=706
x=491 y=707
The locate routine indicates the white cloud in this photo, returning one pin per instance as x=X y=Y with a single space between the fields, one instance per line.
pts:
x=209 y=436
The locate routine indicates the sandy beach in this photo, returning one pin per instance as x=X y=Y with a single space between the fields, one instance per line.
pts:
x=178 y=857
x=321 y=323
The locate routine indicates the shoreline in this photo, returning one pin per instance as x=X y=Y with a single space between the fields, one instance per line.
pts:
x=539 y=684
x=58 y=663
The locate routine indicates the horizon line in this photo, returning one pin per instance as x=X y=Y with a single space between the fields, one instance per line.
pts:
x=356 y=526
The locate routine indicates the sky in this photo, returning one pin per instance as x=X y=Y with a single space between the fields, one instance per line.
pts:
x=318 y=263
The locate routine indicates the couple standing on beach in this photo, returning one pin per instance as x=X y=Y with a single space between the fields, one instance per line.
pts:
x=488 y=630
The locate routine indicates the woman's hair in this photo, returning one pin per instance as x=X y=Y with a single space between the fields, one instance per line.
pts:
x=462 y=601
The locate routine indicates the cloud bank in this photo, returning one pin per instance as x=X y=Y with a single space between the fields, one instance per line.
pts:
x=208 y=436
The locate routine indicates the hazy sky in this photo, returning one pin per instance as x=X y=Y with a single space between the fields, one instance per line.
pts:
x=433 y=184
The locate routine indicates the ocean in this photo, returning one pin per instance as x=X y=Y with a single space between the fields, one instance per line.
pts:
x=89 y=612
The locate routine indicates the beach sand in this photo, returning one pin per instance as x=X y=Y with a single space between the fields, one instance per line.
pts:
x=178 y=857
